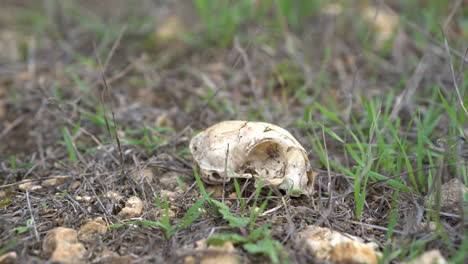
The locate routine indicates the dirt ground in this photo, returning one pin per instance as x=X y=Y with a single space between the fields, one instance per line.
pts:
x=71 y=145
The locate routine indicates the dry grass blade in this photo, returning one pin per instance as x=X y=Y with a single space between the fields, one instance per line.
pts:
x=104 y=94
x=452 y=71
x=411 y=86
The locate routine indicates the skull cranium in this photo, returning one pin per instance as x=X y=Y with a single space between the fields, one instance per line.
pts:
x=243 y=149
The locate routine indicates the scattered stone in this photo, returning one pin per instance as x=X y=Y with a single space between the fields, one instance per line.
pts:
x=114 y=196
x=326 y=244
x=451 y=199
x=169 y=33
x=158 y=214
x=92 y=229
x=141 y=175
x=225 y=254
x=75 y=185
x=59 y=221
x=168 y=180
x=162 y=213
x=55 y=181
x=61 y=244
x=384 y=22
x=9 y=258
x=216 y=189
x=110 y=257
x=429 y=257
x=171 y=28
x=29 y=186
x=164 y=157
x=85 y=198
x=181 y=189
x=133 y=208
x=170 y=194
x=331 y=9
x=428 y=226
x=164 y=121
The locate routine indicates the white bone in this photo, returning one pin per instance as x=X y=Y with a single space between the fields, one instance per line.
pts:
x=253 y=150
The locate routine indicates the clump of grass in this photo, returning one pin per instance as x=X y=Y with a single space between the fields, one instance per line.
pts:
x=259 y=240
x=399 y=154
x=221 y=19
x=67 y=137
x=165 y=223
x=294 y=14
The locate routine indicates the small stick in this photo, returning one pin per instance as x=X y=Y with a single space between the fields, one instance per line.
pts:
x=452 y=71
x=106 y=92
x=33 y=222
x=225 y=172
x=248 y=67
x=13 y=125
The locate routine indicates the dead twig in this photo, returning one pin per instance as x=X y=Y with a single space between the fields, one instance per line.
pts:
x=106 y=92
x=12 y=126
x=452 y=72
x=410 y=87
x=452 y=13
x=326 y=213
x=225 y=172
x=248 y=68
x=33 y=222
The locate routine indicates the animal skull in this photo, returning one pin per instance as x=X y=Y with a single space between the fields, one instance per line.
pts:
x=243 y=149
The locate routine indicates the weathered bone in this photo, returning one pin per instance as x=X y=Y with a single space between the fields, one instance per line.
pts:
x=252 y=150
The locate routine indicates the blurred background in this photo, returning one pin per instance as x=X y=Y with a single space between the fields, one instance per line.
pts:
x=250 y=59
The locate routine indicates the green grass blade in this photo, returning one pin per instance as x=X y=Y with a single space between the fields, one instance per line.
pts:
x=69 y=144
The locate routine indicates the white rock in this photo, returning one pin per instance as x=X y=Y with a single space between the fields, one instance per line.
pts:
x=110 y=257
x=55 y=181
x=256 y=150
x=85 y=198
x=451 y=196
x=140 y=176
x=385 y=23
x=29 y=186
x=113 y=196
x=91 y=230
x=61 y=244
x=225 y=254
x=431 y=257
x=169 y=194
x=168 y=180
x=329 y=245
x=133 y=208
x=9 y=258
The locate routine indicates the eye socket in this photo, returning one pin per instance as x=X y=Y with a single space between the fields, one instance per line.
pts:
x=216 y=176
x=266 y=150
